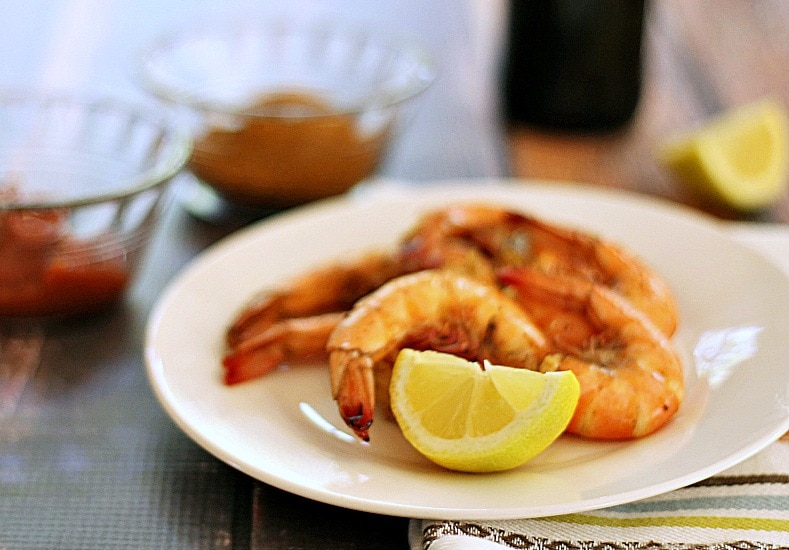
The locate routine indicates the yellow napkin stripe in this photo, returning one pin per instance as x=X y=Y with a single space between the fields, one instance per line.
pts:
x=710 y=522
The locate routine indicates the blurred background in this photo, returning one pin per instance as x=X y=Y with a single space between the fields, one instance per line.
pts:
x=700 y=58
x=94 y=46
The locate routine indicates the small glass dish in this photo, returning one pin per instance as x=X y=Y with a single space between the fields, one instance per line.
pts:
x=285 y=112
x=82 y=184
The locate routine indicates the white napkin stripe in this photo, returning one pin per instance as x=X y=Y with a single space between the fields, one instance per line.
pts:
x=571 y=537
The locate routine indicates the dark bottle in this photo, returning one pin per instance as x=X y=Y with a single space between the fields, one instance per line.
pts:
x=573 y=64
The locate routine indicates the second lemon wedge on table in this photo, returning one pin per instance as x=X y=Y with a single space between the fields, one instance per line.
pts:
x=740 y=159
x=467 y=418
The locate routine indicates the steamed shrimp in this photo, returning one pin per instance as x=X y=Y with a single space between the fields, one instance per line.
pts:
x=292 y=324
x=509 y=239
x=438 y=310
x=630 y=375
x=327 y=289
x=475 y=240
x=336 y=287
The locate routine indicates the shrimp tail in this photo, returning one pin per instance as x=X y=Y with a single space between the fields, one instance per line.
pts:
x=258 y=316
x=354 y=390
x=296 y=341
x=239 y=367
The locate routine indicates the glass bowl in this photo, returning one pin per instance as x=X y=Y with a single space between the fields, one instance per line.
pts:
x=285 y=112
x=82 y=183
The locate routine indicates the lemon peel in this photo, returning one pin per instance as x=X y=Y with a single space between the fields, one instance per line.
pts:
x=473 y=419
x=739 y=159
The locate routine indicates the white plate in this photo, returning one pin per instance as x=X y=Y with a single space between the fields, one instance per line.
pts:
x=732 y=301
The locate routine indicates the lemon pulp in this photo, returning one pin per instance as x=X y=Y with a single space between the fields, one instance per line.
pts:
x=739 y=159
x=467 y=417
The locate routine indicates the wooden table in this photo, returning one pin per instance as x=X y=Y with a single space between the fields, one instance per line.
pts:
x=88 y=459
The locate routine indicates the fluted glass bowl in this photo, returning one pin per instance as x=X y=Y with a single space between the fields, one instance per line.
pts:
x=285 y=112
x=82 y=183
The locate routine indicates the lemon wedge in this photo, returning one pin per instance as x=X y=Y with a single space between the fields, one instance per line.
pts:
x=738 y=159
x=473 y=419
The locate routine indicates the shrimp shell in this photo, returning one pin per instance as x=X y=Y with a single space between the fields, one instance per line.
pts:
x=631 y=377
x=439 y=310
x=510 y=239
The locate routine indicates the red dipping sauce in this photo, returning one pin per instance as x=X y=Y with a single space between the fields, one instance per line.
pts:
x=44 y=271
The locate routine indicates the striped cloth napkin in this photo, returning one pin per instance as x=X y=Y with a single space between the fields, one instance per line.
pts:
x=745 y=507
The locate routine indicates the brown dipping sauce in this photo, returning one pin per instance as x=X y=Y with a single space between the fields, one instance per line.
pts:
x=45 y=272
x=292 y=150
